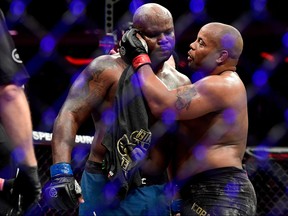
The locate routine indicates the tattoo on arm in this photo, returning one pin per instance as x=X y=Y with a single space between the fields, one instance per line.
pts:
x=184 y=97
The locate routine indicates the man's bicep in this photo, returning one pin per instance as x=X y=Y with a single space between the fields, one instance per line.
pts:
x=191 y=102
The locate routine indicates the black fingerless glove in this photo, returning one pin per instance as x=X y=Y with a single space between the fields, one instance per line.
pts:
x=134 y=50
x=28 y=186
x=62 y=191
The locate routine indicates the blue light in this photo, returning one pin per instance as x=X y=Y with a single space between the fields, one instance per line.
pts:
x=77 y=7
x=47 y=44
x=48 y=117
x=197 y=76
x=285 y=40
x=200 y=152
x=134 y=5
x=197 y=6
x=286 y=115
x=229 y=116
x=258 y=5
x=168 y=117
x=17 y=8
x=228 y=41
x=260 y=78
x=108 y=117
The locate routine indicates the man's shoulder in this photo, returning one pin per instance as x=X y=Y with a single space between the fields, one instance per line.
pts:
x=106 y=62
x=107 y=58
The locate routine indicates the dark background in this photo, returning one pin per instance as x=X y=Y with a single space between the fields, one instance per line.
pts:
x=82 y=37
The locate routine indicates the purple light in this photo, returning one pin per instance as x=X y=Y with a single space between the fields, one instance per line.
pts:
x=229 y=116
x=228 y=41
x=108 y=117
x=260 y=78
x=77 y=7
x=168 y=117
x=78 y=154
x=285 y=40
x=17 y=8
x=18 y=154
x=197 y=6
x=47 y=44
x=134 y=5
x=286 y=115
x=200 y=152
x=110 y=190
x=232 y=189
x=135 y=81
x=197 y=76
x=258 y=5
x=48 y=117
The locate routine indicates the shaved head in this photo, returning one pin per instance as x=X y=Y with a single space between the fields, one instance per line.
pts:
x=226 y=37
x=151 y=13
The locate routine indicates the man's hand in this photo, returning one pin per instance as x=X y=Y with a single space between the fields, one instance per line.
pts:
x=133 y=49
x=62 y=191
x=26 y=189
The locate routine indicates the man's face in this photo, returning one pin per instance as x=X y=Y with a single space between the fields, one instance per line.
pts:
x=204 y=52
x=160 y=39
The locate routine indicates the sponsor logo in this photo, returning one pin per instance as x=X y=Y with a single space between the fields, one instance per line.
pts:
x=199 y=211
x=15 y=56
x=53 y=192
x=133 y=148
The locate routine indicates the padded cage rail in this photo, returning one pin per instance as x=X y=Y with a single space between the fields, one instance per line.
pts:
x=266 y=167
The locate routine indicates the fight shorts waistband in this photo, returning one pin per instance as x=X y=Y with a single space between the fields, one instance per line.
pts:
x=221 y=175
x=210 y=174
x=94 y=167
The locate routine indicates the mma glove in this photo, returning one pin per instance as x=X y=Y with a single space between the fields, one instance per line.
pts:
x=62 y=191
x=27 y=185
x=133 y=49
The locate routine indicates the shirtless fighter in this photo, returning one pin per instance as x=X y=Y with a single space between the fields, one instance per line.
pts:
x=207 y=160
x=92 y=94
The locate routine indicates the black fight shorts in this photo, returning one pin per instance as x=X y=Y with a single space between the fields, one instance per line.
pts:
x=219 y=192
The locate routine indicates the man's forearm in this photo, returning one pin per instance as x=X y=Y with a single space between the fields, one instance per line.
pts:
x=16 y=119
x=63 y=138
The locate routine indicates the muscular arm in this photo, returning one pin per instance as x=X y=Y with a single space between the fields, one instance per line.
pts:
x=66 y=125
x=16 y=119
x=86 y=93
x=206 y=93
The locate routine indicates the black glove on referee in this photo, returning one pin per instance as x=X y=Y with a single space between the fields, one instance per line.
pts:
x=26 y=187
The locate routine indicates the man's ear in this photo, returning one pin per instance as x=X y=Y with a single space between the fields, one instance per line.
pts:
x=224 y=54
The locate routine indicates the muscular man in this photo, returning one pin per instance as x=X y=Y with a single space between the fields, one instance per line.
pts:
x=15 y=131
x=207 y=158
x=93 y=94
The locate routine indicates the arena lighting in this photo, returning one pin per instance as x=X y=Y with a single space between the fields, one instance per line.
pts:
x=78 y=61
x=17 y=8
x=267 y=56
x=260 y=77
x=197 y=6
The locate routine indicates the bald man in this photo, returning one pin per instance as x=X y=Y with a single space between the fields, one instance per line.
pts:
x=207 y=158
x=92 y=94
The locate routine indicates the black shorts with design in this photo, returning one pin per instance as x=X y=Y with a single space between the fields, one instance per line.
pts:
x=219 y=192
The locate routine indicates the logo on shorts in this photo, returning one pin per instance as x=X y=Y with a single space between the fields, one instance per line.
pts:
x=15 y=56
x=199 y=211
x=133 y=148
